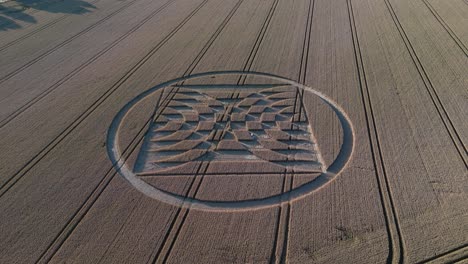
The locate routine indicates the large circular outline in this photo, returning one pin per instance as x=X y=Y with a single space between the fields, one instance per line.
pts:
x=327 y=176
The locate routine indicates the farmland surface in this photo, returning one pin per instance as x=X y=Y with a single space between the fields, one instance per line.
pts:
x=243 y=131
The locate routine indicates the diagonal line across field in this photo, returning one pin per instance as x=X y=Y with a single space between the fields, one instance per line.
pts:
x=88 y=203
x=38 y=30
x=211 y=131
x=56 y=85
x=63 y=43
x=452 y=256
x=280 y=248
x=396 y=244
x=452 y=34
x=454 y=134
x=17 y=176
x=163 y=253
x=99 y=189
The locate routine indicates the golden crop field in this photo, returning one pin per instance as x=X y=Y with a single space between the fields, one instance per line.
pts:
x=233 y=131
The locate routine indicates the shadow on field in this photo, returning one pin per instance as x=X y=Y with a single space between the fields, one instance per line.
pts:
x=15 y=13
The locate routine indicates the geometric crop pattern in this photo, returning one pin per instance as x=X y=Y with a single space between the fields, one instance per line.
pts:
x=218 y=124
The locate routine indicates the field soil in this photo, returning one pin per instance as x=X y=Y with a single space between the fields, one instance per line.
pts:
x=245 y=131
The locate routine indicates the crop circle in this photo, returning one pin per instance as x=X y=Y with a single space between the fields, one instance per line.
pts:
x=327 y=174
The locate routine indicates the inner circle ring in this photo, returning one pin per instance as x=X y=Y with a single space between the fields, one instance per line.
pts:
x=325 y=177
